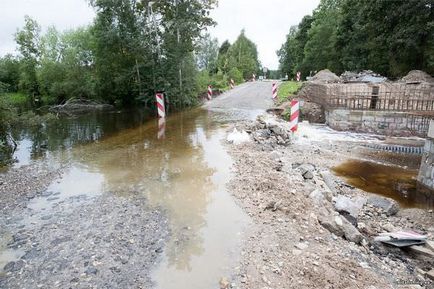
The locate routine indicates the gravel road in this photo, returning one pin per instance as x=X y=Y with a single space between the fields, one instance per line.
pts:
x=248 y=96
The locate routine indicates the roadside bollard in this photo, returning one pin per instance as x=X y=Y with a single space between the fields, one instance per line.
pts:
x=298 y=75
x=232 y=83
x=295 y=111
x=274 y=90
x=160 y=105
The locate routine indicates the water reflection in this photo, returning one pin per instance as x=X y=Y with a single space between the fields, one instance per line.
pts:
x=184 y=173
x=37 y=142
x=390 y=181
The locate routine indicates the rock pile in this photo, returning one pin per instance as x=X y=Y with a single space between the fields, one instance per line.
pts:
x=325 y=76
x=269 y=131
x=362 y=76
x=418 y=76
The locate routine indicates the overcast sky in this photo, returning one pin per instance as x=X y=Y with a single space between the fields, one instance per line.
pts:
x=265 y=22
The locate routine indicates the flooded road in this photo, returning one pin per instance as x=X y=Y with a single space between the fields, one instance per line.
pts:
x=182 y=171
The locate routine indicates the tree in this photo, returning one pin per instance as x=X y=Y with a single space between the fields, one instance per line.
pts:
x=319 y=50
x=182 y=23
x=243 y=55
x=9 y=73
x=28 y=45
x=291 y=55
x=207 y=53
x=222 y=60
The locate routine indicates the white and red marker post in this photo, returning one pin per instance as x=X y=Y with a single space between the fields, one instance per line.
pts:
x=232 y=83
x=209 y=92
x=295 y=112
x=298 y=76
x=160 y=105
x=274 y=90
x=161 y=115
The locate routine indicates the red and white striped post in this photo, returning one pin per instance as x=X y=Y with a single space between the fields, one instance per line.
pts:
x=161 y=115
x=209 y=92
x=160 y=105
x=254 y=77
x=298 y=75
x=232 y=83
x=274 y=90
x=295 y=112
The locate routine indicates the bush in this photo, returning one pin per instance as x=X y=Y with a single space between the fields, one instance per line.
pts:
x=236 y=75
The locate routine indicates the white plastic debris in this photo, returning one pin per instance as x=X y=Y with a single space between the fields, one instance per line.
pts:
x=238 y=137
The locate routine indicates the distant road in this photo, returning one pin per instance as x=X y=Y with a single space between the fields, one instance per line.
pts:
x=247 y=96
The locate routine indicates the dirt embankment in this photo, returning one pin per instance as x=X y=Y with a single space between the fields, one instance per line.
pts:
x=299 y=239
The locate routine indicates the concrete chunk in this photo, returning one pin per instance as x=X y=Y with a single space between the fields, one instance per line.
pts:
x=389 y=206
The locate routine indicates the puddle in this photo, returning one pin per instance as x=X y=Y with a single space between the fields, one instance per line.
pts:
x=76 y=183
x=183 y=170
x=394 y=182
x=9 y=255
x=184 y=173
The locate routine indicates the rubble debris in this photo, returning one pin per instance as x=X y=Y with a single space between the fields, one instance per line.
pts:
x=329 y=181
x=269 y=130
x=401 y=238
x=238 y=137
x=351 y=206
x=430 y=244
x=417 y=76
x=325 y=76
x=341 y=228
x=389 y=206
x=422 y=251
x=366 y=76
x=430 y=274
x=224 y=283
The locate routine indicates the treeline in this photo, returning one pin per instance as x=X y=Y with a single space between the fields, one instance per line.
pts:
x=132 y=49
x=388 y=37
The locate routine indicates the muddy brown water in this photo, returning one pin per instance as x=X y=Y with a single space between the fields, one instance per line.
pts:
x=389 y=180
x=184 y=173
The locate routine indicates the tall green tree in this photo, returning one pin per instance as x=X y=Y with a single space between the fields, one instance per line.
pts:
x=291 y=54
x=319 y=50
x=207 y=53
x=28 y=44
x=243 y=55
x=223 y=57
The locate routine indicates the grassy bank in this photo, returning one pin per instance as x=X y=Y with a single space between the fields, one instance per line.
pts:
x=286 y=89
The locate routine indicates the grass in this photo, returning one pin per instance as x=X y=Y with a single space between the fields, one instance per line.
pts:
x=15 y=99
x=286 y=89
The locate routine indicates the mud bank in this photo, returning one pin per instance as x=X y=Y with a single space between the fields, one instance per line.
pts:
x=292 y=196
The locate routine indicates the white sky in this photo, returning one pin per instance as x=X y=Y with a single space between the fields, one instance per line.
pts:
x=266 y=22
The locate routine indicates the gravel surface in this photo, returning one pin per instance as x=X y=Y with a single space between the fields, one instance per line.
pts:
x=19 y=185
x=101 y=242
x=298 y=239
x=48 y=240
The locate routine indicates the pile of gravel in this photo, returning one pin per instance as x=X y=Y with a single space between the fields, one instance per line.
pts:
x=418 y=76
x=325 y=76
